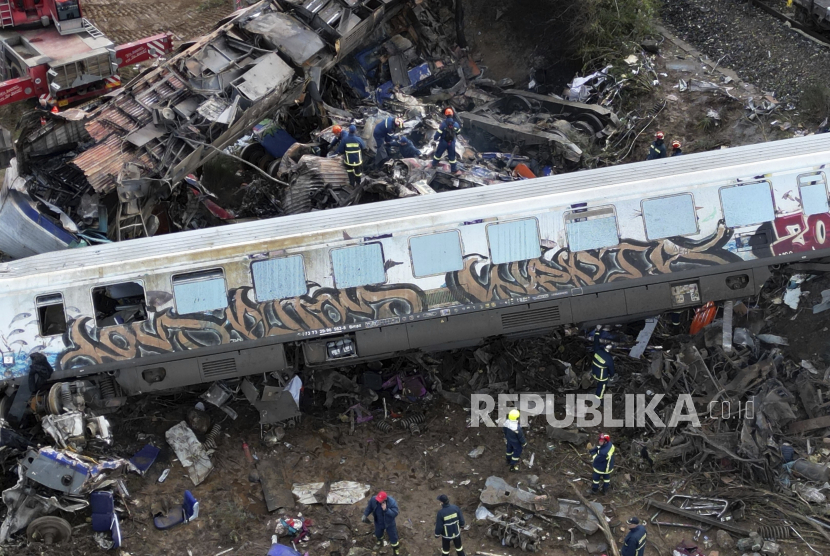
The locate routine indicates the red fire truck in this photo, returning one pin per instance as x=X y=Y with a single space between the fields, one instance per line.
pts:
x=49 y=50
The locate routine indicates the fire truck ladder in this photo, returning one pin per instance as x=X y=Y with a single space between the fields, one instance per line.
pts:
x=6 y=19
x=93 y=31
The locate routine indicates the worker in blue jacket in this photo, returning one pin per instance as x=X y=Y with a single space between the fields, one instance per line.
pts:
x=635 y=541
x=658 y=148
x=602 y=366
x=515 y=438
x=446 y=137
x=602 y=463
x=407 y=149
x=384 y=509
x=448 y=525
x=383 y=134
x=352 y=147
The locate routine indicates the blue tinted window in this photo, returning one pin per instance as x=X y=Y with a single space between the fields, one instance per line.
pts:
x=744 y=205
x=198 y=292
x=813 y=194
x=594 y=233
x=360 y=265
x=514 y=241
x=436 y=253
x=279 y=278
x=670 y=216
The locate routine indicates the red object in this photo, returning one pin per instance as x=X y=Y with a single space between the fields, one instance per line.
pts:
x=703 y=317
x=604 y=437
x=675 y=144
x=659 y=135
x=64 y=40
x=54 y=110
x=448 y=112
x=381 y=497
x=144 y=49
x=523 y=171
x=247 y=451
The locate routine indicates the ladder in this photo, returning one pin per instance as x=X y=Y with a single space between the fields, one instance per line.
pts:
x=130 y=221
x=93 y=31
x=6 y=19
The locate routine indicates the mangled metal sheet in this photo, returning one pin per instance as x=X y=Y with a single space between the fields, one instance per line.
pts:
x=269 y=74
x=524 y=134
x=287 y=34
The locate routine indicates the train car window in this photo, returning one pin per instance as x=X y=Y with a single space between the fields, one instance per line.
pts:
x=813 y=189
x=593 y=229
x=436 y=253
x=119 y=304
x=514 y=241
x=199 y=292
x=360 y=265
x=279 y=278
x=745 y=205
x=51 y=315
x=669 y=216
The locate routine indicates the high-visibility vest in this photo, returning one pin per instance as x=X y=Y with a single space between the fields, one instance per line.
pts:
x=354 y=155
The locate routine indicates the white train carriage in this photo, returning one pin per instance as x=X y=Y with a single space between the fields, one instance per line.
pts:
x=424 y=273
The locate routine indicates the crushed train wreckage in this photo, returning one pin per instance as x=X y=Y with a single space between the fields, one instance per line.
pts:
x=121 y=168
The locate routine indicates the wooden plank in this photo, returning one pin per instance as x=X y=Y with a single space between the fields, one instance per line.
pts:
x=810 y=424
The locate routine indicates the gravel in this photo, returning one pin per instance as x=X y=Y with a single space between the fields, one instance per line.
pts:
x=760 y=48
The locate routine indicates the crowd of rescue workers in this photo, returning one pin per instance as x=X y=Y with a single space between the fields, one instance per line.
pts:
x=386 y=133
x=449 y=522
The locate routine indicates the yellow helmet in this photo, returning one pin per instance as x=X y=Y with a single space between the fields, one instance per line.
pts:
x=513 y=415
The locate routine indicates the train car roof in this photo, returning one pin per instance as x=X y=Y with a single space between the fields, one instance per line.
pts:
x=649 y=177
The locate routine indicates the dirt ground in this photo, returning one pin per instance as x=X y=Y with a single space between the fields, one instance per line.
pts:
x=412 y=469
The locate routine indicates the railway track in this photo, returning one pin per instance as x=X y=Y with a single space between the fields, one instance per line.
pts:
x=795 y=24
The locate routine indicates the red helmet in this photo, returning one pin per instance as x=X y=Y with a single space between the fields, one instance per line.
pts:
x=381 y=497
x=604 y=438
x=675 y=144
x=337 y=130
x=659 y=135
x=448 y=112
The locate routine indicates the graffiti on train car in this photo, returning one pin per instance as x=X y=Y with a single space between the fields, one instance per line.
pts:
x=798 y=232
x=559 y=269
x=244 y=319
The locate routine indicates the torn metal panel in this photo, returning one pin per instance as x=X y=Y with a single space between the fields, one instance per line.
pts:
x=269 y=74
x=302 y=45
x=524 y=134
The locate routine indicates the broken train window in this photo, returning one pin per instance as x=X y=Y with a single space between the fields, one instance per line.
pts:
x=199 y=292
x=51 y=315
x=121 y=303
x=591 y=229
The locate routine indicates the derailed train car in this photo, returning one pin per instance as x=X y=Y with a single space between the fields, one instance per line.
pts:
x=423 y=273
